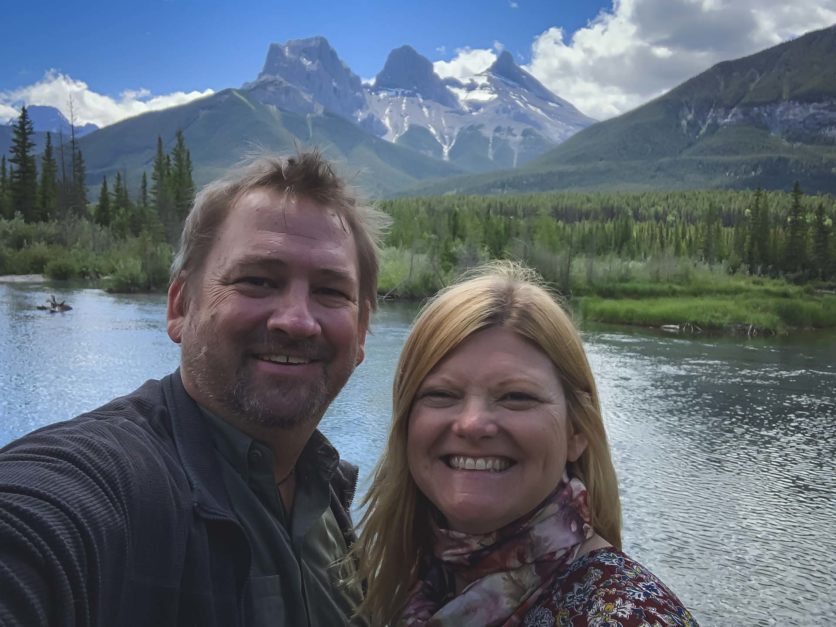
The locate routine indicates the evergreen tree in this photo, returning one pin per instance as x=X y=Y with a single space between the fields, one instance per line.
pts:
x=759 y=236
x=172 y=186
x=120 y=209
x=23 y=180
x=78 y=202
x=104 y=212
x=711 y=234
x=796 y=243
x=64 y=183
x=160 y=189
x=48 y=188
x=822 y=262
x=142 y=201
x=182 y=184
x=5 y=201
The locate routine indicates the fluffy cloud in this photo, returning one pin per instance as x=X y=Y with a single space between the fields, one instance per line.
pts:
x=466 y=63
x=56 y=90
x=640 y=49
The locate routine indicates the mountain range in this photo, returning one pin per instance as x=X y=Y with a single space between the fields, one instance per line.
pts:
x=409 y=126
x=764 y=120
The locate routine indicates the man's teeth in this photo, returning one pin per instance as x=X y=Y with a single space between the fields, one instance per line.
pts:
x=494 y=464
x=286 y=359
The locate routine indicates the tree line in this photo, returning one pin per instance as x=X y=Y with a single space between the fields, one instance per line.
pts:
x=758 y=233
x=50 y=226
x=53 y=186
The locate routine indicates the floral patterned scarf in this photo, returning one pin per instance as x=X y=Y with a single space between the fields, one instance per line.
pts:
x=506 y=571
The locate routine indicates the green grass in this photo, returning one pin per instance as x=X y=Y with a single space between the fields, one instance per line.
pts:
x=716 y=313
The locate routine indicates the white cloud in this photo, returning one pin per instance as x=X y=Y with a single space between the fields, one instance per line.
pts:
x=640 y=49
x=467 y=63
x=7 y=113
x=56 y=90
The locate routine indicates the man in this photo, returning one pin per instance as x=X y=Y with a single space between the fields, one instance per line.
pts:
x=209 y=497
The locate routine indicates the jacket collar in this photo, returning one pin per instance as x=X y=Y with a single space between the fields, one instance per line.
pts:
x=194 y=444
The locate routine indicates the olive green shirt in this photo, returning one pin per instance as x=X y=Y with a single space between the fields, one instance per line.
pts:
x=294 y=580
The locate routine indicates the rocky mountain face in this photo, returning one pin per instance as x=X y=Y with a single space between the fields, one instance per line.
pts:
x=50 y=120
x=501 y=119
x=766 y=120
x=306 y=76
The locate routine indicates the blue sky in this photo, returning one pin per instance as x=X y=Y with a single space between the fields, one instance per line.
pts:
x=169 y=45
x=121 y=58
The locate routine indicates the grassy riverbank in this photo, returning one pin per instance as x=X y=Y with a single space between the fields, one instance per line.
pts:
x=664 y=291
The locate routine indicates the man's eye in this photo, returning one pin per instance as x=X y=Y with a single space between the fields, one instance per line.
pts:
x=255 y=281
x=332 y=292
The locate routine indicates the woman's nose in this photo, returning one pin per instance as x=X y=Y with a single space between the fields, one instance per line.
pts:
x=476 y=420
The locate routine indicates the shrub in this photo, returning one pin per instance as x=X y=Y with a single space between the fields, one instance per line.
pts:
x=128 y=277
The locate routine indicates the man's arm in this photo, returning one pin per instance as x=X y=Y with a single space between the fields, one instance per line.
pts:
x=63 y=525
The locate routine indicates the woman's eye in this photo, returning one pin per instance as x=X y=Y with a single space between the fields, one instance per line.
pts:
x=436 y=394
x=518 y=397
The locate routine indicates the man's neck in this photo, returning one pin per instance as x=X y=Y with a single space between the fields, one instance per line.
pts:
x=287 y=444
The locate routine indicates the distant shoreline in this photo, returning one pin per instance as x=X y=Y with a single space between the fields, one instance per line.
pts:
x=22 y=278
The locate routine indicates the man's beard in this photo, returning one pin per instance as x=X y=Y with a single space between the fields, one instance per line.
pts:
x=302 y=403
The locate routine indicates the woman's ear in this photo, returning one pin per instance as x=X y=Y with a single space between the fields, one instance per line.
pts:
x=576 y=445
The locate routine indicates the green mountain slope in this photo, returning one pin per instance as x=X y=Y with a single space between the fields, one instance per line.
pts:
x=223 y=128
x=761 y=121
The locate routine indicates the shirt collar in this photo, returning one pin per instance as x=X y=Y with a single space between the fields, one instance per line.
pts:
x=244 y=452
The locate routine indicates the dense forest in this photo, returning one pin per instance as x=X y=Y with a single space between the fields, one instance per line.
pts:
x=759 y=233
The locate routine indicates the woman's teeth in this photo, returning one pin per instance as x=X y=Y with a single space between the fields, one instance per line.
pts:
x=493 y=464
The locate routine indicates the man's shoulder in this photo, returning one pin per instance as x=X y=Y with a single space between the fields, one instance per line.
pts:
x=128 y=435
x=142 y=412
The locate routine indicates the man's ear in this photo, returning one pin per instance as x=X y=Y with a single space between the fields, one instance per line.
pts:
x=175 y=311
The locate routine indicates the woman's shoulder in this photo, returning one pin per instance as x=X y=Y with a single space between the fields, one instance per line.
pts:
x=606 y=587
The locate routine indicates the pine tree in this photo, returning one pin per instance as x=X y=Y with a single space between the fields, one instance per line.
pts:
x=160 y=189
x=796 y=244
x=5 y=201
x=79 y=184
x=182 y=183
x=759 y=256
x=48 y=188
x=119 y=210
x=142 y=201
x=104 y=213
x=822 y=263
x=23 y=181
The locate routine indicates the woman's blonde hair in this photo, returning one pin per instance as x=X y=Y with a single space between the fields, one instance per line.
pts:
x=395 y=534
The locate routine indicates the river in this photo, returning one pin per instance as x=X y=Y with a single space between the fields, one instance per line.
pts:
x=724 y=447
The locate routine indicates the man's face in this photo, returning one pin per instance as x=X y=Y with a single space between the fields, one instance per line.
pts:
x=272 y=326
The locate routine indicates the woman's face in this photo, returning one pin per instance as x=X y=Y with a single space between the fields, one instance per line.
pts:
x=488 y=434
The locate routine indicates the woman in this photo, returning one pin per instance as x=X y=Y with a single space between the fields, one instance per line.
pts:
x=496 y=502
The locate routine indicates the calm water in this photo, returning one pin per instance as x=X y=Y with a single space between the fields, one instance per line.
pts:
x=725 y=448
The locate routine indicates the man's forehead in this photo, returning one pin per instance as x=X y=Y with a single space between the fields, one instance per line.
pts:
x=290 y=213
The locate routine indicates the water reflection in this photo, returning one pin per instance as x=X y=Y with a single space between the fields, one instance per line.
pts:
x=724 y=446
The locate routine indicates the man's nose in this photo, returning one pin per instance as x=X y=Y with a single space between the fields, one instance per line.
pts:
x=476 y=420
x=292 y=313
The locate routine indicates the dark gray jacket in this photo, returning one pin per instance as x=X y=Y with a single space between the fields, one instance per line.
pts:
x=119 y=517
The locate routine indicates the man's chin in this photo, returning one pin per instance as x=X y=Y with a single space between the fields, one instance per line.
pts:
x=282 y=412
